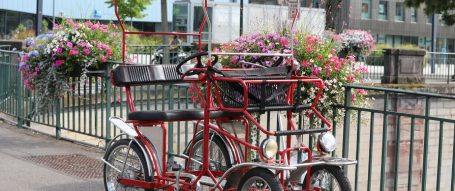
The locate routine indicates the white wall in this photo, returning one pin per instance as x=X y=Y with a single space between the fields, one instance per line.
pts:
x=226 y=20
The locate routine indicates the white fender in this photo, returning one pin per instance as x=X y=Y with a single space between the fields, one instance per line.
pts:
x=123 y=126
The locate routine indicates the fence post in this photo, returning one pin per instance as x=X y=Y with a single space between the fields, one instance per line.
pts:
x=346 y=123
x=170 y=139
x=19 y=96
x=58 y=124
x=107 y=82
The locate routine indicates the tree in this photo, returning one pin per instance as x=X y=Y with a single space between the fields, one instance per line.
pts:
x=444 y=7
x=332 y=14
x=130 y=8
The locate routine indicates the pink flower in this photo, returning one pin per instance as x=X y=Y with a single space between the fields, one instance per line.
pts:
x=108 y=51
x=69 y=44
x=58 y=63
x=73 y=52
x=351 y=78
x=283 y=41
x=353 y=97
x=87 y=51
x=361 y=91
x=305 y=63
x=315 y=71
x=333 y=51
x=308 y=49
x=24 y=58
x=59 y=50
x=103 y=58
x=95 y=26
x=76 y=26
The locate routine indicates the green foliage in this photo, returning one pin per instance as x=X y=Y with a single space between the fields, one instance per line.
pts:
x=141 y=39
x=443 y=7
x=130 y=8
x=409 y=47
x=44 y=25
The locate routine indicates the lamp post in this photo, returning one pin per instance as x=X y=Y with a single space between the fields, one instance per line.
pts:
x=39 y=16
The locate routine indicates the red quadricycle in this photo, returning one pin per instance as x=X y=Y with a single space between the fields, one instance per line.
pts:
x=217 y=158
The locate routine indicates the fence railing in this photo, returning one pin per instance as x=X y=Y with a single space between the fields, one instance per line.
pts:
x=403 y=140
x=443 y=70
x=154 y=54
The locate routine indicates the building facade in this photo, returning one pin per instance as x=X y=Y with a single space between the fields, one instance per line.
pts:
x=394 y=24
x=15 y=12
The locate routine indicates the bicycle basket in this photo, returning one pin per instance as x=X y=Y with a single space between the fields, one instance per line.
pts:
x=265 y=95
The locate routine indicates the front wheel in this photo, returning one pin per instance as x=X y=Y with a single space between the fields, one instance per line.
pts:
x=259 y=179
x=135 y=166
x=327 y=178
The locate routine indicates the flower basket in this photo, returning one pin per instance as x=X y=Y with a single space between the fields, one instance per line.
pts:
x=75 y=50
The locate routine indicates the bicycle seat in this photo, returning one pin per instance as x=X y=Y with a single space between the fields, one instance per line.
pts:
x=178 y=115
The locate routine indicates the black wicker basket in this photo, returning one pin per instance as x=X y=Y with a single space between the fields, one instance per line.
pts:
x=261 y=96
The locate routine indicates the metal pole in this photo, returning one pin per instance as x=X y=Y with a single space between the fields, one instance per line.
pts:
x=53 y=14
x=241 y=17
x=39 y=16
x=433 y=41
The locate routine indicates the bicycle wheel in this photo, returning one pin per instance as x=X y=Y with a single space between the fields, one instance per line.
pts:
x=259 y=179
x=328 y=178
x=218 y=154
x=135 y=166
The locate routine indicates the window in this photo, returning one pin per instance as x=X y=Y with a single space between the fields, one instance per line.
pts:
x=366 y=9
x=198 y=17
x=382 y=10
x=413 y=15
x=399 y=12
x=429 y=19
x=2 y=23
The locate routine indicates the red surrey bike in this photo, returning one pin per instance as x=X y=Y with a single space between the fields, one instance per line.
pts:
x=217 y=157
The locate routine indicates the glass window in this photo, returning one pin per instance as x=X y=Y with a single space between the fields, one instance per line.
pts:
x=399 y=12
x=12 y=20
x=413 y=15
x=382 y=10
x=429 y=19
x=381 y=39
x=198 y=17
x=366 y=9
x=2 y=23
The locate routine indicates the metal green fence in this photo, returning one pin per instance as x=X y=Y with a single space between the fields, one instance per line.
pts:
x=403 y=140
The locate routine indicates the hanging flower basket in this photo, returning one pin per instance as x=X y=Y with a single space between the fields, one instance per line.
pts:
x=73 y=50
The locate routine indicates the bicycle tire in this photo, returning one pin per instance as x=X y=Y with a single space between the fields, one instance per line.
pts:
x=138 y=152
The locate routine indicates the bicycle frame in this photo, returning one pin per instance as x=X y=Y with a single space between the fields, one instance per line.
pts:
x=165 y=180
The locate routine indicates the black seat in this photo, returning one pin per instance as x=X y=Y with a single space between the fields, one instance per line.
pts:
x=178 y=115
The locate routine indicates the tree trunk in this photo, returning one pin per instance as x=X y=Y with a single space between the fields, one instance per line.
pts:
x=164 y=27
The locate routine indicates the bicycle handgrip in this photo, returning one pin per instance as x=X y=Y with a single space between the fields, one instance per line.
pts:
x=301 y=131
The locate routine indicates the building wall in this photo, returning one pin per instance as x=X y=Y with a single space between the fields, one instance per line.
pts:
x=83 y=9
x=421 y=28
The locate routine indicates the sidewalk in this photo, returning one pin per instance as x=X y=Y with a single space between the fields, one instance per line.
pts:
x=31 y=161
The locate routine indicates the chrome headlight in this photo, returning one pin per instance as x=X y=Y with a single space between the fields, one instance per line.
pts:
x=269 y=148
x=327 y=142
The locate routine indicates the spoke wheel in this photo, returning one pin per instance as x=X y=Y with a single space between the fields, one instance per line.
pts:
x=259 y=179
x=328 y=178
x=218 y=154
x=135 y=166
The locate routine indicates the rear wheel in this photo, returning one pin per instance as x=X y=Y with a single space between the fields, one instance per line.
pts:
x=135 y=166
x=218 y=154
x=328 y=178
x=258 y=179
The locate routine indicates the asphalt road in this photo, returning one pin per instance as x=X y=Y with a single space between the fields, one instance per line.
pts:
x=18 y=172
